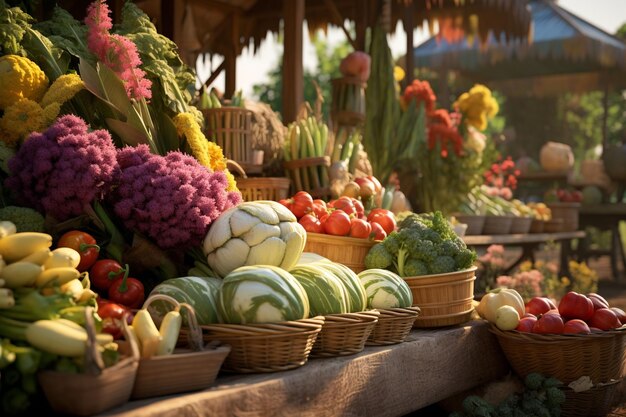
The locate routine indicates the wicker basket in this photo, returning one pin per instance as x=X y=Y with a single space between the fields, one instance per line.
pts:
x=475 y=223
x=568 y=212
x=553 y=226
x=263 y=188
x=497 y=225
x=349 y=251
x=311 y=175
x=595 y=402
x=521 y=225
x=231 y=129
x=344 y=334
x=269 y=347
x=536 y=226
x=444 y=299
x=394 y=325
x=95 y=391
x=600 y=356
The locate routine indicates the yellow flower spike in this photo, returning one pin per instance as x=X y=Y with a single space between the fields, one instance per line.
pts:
x=20 y=78
x=50 y=112
x=188 y=127
x=20 y=119
x=62 y=89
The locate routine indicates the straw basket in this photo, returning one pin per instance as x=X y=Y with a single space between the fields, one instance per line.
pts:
x=95 y=391
x=344 y=334
x=184 y=370
x=521 y=225
x=568 y=212
x=536 y=226
x=350 y=251
x=231 y=129
x=263 y=188
x=595 y=402
x=268 y=347
x=348 y=101
x=553 y=225
x=475 y=223
x=394 y=325
x=444 y=299
x=600 y=356
x=310 y=174
x=497 y=225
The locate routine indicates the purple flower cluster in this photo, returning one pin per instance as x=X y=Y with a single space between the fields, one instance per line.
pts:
x=172 y=199
x=63 y=169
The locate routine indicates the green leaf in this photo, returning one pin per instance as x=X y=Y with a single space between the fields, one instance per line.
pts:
x=113 y=88
x=166 y=132
x=127 y=132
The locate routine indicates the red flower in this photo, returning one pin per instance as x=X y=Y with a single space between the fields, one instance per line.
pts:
x=440 y=116
x=445 y=135
x=422 y=93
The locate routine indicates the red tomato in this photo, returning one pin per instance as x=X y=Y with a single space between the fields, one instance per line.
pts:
x=538 y=305
x=286 y=203
x=576 y=306
x=360 y=228
x=337 y=223
x=598 y=301
x=104 y=272
x=605 y=319
x=345 y=204
x=368 y=188
x=378 y=233
x=383 y=217
x=549 y=324
x=376 y=183
x=529 y=315
x=302 y=204
x=311 y=224
x=319 y=207
x=360 y=210
x=621 y=315
x=84 y=244
x=576 y=326
x=127 y=291
x=111 y=313
x=526 y=324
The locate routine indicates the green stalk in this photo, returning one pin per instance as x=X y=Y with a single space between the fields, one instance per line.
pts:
x=13 y=329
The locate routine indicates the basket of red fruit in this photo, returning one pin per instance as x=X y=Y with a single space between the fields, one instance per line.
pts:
x=340 y=230
x=581 y=337
x=565 y=205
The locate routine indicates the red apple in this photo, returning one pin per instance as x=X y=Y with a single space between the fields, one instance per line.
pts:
x=526 y=324
x=529 y=315
x=549 y=324
x=621 y=315
x=577 y=196
x=576 y=306
x=539 y=305
x=605 y=319
x=576 y=326
x=598 y=301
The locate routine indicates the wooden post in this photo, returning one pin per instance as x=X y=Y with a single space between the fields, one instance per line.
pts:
x=361 y=25
x=408 y=28
x=231 y=58
x=167 y=19
x=605 y=114
x=293 y=74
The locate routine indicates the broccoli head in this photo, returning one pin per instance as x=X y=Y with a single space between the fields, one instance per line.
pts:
x=25 y=219
x=378 y=257
x=392 y=243
x=534 y=381
x=423 y=250
x=441 y=225
x=442 y=265
x=413 y=268
x=448 y=248
x=465 y=258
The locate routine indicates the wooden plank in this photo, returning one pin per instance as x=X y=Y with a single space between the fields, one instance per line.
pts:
x=293 y=72
x=339 y=21
x=215 y=73
x=521 y=239
x=380 y=381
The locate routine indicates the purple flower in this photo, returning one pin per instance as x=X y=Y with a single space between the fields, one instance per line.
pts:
x=63 y=169
x=172 y=199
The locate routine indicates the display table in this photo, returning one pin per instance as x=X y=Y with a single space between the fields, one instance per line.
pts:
x=529 y=243
x=380 y=381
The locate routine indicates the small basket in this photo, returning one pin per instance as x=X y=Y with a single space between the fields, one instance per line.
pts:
x=600 y=356
x=595 y=402
x=348 y=101
x=263 y=188
x=568 y=213
x=394 y=325
x=536 y=226
x=444 y=299
x=497 y=225
x=231 y=129
x=311 y=175
x=97 y=390
x=521 y=225
x=344 y=334
x=553 y=226
x=184 y=370
x=268 y=347
x=350 y=251
x=475 y=223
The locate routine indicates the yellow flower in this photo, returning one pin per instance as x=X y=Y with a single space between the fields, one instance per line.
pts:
x=20 y=78
x=398 y=73
x=477 y=105
x=62 y=89
x=21 y=119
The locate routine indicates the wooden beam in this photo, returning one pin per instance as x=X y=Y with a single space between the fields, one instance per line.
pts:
x=230 y=57
x=215 y=73
x=293 y=73
x=408 y=28
x=167 y=19
x=339 y=21
x=360 y=24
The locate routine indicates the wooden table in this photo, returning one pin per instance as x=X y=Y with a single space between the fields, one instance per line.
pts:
x=604 y=217
x=380 y=381
x=529 y=243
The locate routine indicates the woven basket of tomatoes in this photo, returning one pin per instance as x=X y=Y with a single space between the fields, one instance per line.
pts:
x=340 y=230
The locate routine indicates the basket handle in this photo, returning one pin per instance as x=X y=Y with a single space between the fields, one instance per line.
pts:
x=234 y=166
x=195 y=333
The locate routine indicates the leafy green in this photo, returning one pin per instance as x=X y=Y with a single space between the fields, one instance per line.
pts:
x=67 y=33
x=13 y=24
